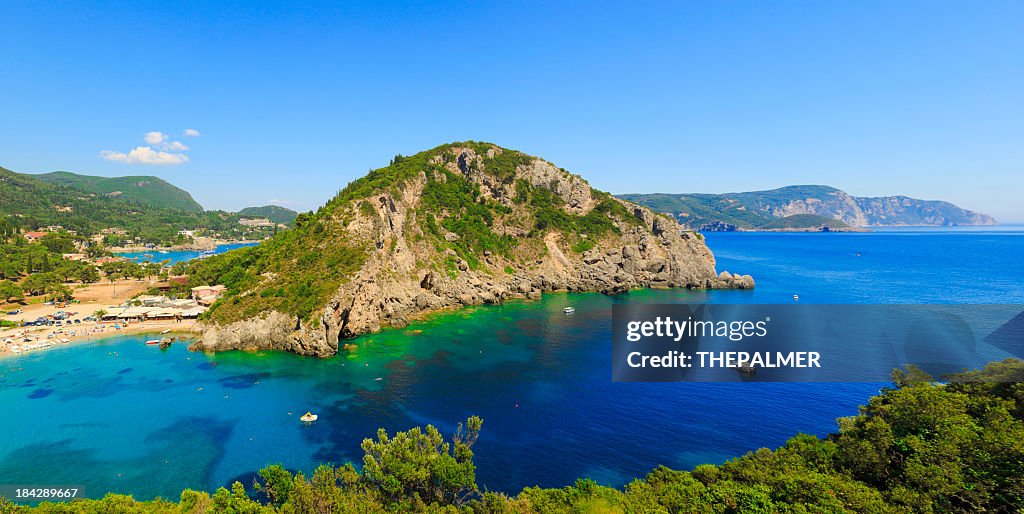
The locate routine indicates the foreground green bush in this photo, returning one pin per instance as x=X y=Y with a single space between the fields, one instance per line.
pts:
x=918 y=447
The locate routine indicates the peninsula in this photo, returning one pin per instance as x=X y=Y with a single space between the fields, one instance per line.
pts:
x=803 y=208
x=461 y=224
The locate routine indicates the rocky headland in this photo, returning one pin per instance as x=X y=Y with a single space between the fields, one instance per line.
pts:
x=462 y=224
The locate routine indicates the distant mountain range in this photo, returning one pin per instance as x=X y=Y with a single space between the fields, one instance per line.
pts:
x=146 y=190
x=804 y=207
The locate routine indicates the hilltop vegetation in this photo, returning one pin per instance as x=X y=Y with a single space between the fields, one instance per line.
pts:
x=27 y=203
x=920 y=447
x=763 y=209
x=294 y=272
x=274 y=213
x=143 y=190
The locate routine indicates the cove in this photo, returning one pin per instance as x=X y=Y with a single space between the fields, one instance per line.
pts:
x=538 y=378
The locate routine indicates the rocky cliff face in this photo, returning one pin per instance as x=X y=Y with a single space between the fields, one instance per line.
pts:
x=418 y=261
x=880 y=211
x=902 y=210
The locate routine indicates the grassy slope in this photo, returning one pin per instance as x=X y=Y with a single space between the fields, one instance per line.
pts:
x=145 y=190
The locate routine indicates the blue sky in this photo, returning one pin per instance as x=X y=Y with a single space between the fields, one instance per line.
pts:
x=294 y=101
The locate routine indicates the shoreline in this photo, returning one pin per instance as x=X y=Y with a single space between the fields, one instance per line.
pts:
x=181 y=248
x=83 y=334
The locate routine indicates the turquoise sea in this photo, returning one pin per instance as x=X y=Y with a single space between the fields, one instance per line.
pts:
x=177 y=256
x=119 y=416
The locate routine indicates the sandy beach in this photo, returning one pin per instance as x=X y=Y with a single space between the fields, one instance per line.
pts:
x=91 y=298
x=35 y=339
x=94 y=297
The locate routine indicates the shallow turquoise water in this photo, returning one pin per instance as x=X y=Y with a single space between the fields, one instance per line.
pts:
x=121 y=416
x=177 y=256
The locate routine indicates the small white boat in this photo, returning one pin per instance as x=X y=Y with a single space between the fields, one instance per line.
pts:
x=308 y=417
x=166 y=331
x=569 y=310
x=796 y=297
x=153 y=341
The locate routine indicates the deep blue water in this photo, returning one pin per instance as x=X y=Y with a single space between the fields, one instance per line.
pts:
x=907 y=265
x=177 y=256
x=117 y=415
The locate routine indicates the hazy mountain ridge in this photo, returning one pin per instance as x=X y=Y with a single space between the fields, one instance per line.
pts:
x=761 y=209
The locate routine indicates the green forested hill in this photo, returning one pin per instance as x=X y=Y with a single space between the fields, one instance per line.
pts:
x=274 y=213
x=27 y=203
x=145 y=190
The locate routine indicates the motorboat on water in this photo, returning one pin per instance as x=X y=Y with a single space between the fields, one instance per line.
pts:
x=796 y=297
x=308 y=417
x=569 y=310
x=153 y=341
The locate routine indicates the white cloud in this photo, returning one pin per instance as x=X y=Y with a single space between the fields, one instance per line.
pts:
x=159 y=150
x=174 y=146
x=145 y=155
x=155 y=137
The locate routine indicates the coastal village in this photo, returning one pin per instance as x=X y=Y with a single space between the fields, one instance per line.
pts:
x=123 y=294
x=48 y=324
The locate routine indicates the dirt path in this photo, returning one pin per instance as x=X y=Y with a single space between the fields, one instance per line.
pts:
x=551 y=240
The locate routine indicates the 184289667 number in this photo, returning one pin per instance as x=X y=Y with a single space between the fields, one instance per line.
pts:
x=34 y=493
